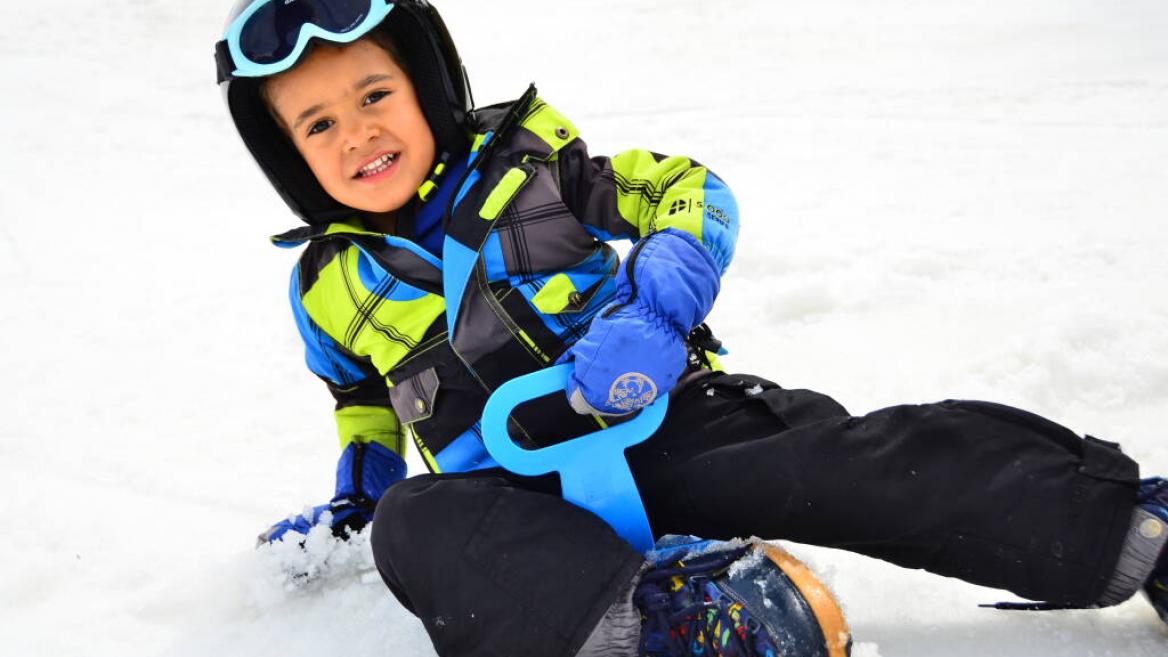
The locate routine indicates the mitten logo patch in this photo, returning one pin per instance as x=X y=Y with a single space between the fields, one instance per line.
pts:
x=632 y=390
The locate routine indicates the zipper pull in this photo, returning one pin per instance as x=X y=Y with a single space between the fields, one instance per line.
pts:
x=430 y=185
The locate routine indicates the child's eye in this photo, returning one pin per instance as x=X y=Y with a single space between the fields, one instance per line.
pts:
x=375 y=96
x=320 y=126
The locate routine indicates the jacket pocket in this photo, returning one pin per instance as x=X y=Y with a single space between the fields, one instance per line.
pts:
x=413 y=399
x=560 y=295
x=574 y=287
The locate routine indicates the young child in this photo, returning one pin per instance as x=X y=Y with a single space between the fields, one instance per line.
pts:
x=451 y=249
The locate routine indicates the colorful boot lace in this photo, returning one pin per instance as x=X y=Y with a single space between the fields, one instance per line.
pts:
x=736 y=601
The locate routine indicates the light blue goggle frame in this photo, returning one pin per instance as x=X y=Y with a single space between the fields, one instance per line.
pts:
x=245 y=68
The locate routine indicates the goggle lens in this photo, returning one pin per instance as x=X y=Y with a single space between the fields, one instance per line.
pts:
x=270 y=34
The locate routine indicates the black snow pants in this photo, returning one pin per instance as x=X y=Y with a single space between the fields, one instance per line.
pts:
x=497 y=564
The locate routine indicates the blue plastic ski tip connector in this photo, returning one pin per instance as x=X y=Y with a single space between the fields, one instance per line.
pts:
x=593 y=471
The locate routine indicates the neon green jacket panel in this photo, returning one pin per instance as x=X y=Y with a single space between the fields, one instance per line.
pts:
x=358 y=321
x=638 y=192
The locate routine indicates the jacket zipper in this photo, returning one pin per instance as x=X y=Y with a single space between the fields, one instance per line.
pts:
x=517 y=110
x=480 y=276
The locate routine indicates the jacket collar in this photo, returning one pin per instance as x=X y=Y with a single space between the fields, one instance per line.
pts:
x=302 y=234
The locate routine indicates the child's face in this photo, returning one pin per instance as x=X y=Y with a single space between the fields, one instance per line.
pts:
x=354 y=116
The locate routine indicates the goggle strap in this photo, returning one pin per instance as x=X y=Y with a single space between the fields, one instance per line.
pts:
x=224 y=64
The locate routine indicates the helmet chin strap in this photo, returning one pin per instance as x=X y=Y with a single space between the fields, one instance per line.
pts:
x=428 y=186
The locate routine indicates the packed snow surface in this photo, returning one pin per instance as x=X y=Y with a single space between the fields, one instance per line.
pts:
x=953 y=198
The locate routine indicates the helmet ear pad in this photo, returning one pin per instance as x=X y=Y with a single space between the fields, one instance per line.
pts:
x=435 y=70
x=278 y=157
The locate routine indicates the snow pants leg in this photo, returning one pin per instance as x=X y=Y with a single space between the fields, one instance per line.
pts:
x=494 y=563
x=494 y=569
x=987 y=493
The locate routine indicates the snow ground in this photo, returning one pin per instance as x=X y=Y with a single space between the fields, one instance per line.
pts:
x=940 y=199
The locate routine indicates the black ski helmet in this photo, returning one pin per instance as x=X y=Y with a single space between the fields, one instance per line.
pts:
x=428 y=55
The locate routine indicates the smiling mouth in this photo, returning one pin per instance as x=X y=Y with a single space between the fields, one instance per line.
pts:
x=376 y=166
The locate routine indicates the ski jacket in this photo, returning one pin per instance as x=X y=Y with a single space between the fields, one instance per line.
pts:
x=524 y=267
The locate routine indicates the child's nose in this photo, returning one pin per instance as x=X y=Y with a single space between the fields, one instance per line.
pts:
x=361 y=133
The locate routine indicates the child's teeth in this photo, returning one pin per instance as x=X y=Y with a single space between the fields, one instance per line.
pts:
x=380 y=163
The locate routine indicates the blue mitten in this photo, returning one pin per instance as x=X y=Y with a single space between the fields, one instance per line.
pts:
x=364 y=471
x=634 y=349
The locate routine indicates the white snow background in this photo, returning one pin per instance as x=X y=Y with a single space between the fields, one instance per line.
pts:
x=952 y=198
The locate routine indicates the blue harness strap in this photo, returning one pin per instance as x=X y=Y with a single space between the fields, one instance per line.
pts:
x=593 y=471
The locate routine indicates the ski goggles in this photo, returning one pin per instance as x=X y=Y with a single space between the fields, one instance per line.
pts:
x=269 y=36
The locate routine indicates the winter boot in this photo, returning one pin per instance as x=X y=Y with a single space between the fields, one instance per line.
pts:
x=1154 y=499
x=736 y=600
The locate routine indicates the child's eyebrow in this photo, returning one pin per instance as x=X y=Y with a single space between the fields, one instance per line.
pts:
x=370 y=79
x=364 y=82
x=306 y=114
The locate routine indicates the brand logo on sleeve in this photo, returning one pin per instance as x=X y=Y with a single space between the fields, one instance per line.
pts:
x=717 y=214
x=680 y=205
